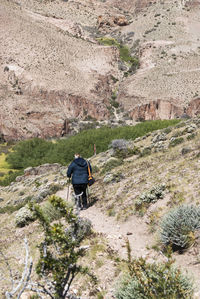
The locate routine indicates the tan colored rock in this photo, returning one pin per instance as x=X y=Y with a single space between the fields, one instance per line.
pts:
x=156 y=110
x=111 y=21
x=193 y=108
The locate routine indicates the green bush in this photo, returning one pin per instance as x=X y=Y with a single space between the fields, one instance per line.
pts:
x=151 y=196
x=55 y=188
x=10 y=177
x=36 y=151
x=112 y=163
x=60 y=250
x=178 y=227
x=124 y=51
x=24 y=216
x=114 y=103
x=153 y=280
x=191 y=136
x=29 y=153
x=176 y=142
x=50 y=212
x=145 y=152
x=168 y=130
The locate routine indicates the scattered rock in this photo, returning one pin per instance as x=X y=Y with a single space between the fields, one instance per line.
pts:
x=129 y=233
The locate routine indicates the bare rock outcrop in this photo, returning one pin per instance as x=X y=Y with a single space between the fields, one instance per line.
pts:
x=161 y=109
x=156 y=110
x=111 y=21
x=53 y=71
x=193 y=108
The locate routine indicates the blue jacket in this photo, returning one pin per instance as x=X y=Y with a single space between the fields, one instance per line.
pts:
x=78 y=169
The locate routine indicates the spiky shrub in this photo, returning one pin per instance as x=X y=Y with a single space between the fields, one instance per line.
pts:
x=156 y=281
x=50 y=212
x=179 y=226
x=151 y=196
x=60 y=250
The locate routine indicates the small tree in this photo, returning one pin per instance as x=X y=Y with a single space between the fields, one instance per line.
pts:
x=60 y=250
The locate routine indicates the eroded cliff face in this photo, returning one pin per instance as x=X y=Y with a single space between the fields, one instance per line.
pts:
x=50 y=74
x=53 y=70
x=38 y=112
x=165 y=110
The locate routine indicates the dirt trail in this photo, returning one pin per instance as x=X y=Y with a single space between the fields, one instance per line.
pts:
x=117 y=232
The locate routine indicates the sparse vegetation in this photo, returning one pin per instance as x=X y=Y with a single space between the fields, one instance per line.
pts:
x=151 y=196
x=9 y=209
x=191 y=136
x=112 y=163
x=123 y=50
x=153 y=280
x=60 y=250
x=176 y=141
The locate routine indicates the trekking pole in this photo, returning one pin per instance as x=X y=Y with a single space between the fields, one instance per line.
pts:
x=68 y=189
x=88 y=195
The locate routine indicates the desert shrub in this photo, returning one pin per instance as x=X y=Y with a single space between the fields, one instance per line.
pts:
x=178 y=227
x=50 y=212
x=145 y=152
x=176 y=141
x=55 y=187
x=79 y=230
x=60 y=250
x=122 y=154
x=114 y=103
x=191 y=136
x=119 y=144
x=181 y=124
x=185 y=150
x=24 y=216
x=153 y=280
x=124 y=51
x=10 y=177
x=167 y=130
x=9 y=209
x=151 y=196
x=112 y=163
x=95 y=169
x=178 y=134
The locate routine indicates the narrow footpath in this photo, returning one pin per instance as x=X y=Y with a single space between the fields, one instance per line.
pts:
x=117 y=232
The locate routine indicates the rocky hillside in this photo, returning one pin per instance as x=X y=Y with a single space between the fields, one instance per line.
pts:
x=137 y=184
x=53 y=69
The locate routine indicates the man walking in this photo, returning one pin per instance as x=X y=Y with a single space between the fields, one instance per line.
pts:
x=78 y=169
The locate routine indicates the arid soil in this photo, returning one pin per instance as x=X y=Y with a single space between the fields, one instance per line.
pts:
x=112 y=208
x=53 y=70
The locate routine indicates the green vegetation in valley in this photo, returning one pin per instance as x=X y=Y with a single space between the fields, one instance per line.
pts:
x=34 y=152
x=124 y=51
